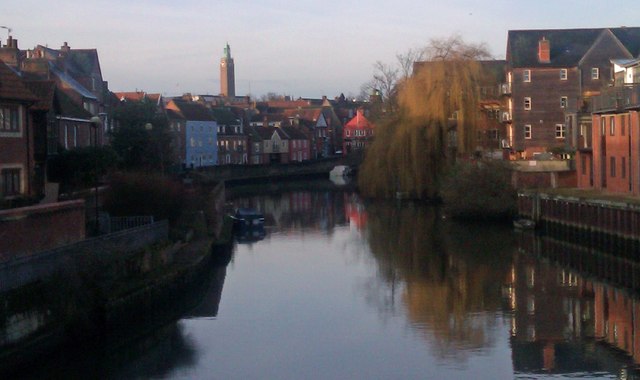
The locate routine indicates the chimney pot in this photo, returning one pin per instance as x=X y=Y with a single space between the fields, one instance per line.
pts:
x=544 y=50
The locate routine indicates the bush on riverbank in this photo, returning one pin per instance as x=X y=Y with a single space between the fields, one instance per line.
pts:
x=479 y=190
x=145 y=194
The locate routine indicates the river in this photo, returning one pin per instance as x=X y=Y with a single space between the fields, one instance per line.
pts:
x=337 y=288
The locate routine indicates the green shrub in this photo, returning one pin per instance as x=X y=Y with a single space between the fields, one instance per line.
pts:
x=77 y=168
x=479 y=190
x=145 y=194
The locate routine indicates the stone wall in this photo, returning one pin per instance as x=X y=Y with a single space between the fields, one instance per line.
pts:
x=96 y=251
x=27 y=230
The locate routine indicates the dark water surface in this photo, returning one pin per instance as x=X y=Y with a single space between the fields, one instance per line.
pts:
x=336 y=289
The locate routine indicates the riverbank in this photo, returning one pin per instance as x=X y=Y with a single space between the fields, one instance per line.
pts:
x=97 y=301
x=603 y=219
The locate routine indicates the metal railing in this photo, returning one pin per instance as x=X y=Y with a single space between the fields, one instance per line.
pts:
x=616 y=99
x=505 y=89
x=120 y=223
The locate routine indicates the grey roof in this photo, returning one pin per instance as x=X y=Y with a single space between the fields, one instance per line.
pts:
x=626 y=62
x=568 y=46
x=74 y=84
x=194 y=111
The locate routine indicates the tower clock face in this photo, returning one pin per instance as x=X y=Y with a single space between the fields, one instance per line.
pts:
x=223 y=63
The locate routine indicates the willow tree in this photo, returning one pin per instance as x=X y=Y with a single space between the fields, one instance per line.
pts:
x=436 y=121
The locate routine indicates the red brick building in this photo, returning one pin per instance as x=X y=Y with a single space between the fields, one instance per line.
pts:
x=357 y=133
x=299 y=144
x=608 y=157
x=16 y=135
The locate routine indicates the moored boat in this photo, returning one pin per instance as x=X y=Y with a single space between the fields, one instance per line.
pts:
x=524 y=224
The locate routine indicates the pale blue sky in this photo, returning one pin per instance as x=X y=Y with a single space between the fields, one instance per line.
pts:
x=299 y=48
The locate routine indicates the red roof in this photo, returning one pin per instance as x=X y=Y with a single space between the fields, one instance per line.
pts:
x=359 y=122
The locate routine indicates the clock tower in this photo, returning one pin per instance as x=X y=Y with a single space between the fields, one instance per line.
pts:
x=227 y=75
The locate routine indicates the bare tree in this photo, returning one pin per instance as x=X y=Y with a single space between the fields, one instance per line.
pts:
x=385 y=78
x=406 y=61
x=455 y=48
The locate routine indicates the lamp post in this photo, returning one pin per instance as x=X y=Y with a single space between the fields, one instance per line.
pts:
x=96 y=122
x=156 y=145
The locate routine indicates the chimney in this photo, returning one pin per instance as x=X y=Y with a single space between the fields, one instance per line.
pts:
x=544 y=51
x=10 y=53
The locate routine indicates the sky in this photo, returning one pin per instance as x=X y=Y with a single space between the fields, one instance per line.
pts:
x=299 y=48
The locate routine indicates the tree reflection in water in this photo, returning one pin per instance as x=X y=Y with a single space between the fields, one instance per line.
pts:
x=449 y=274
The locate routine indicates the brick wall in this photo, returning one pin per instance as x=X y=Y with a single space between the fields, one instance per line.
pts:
x=537 y=180
x=27 y=230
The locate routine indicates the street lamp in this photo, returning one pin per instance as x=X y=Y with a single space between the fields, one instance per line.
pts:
x=156 y=145
x=96 y=122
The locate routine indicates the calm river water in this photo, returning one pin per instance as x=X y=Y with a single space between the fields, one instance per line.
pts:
x=340 y=289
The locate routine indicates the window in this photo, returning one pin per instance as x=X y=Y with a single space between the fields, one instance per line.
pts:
x=583 y=164
x=527 y=103
x=623 y=126
x=563 y=74
x=526 y=75
x=603 y=125
x=623 y=167
x=595 y=73
x=563 y=102
x=9 y=119
x=10 y=182
x=561 y=130
x=492 y=134
x=527 y=131
x=612 y=126
x=612 y=168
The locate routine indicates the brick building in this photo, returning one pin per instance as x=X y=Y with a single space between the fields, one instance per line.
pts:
x=357 y=133
x=16 y=135
x=609 y=154
x=551 y=76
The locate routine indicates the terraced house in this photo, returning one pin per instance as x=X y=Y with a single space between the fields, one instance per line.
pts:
x=16 y=143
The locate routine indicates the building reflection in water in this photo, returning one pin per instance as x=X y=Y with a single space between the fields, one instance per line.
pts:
x=458 y=283
x=571 y=312
x=299 y=211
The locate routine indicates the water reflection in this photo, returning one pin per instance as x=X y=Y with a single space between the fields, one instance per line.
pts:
x=570 y=315
x=445 y=274
x=153 y=347
x=299 y=211
x=337 y=284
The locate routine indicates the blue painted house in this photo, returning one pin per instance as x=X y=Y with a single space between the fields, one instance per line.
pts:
x=196 y=139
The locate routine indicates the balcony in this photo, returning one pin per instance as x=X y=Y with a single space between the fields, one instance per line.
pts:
x=505 y=89
x=505 y=117
x=617 y=99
